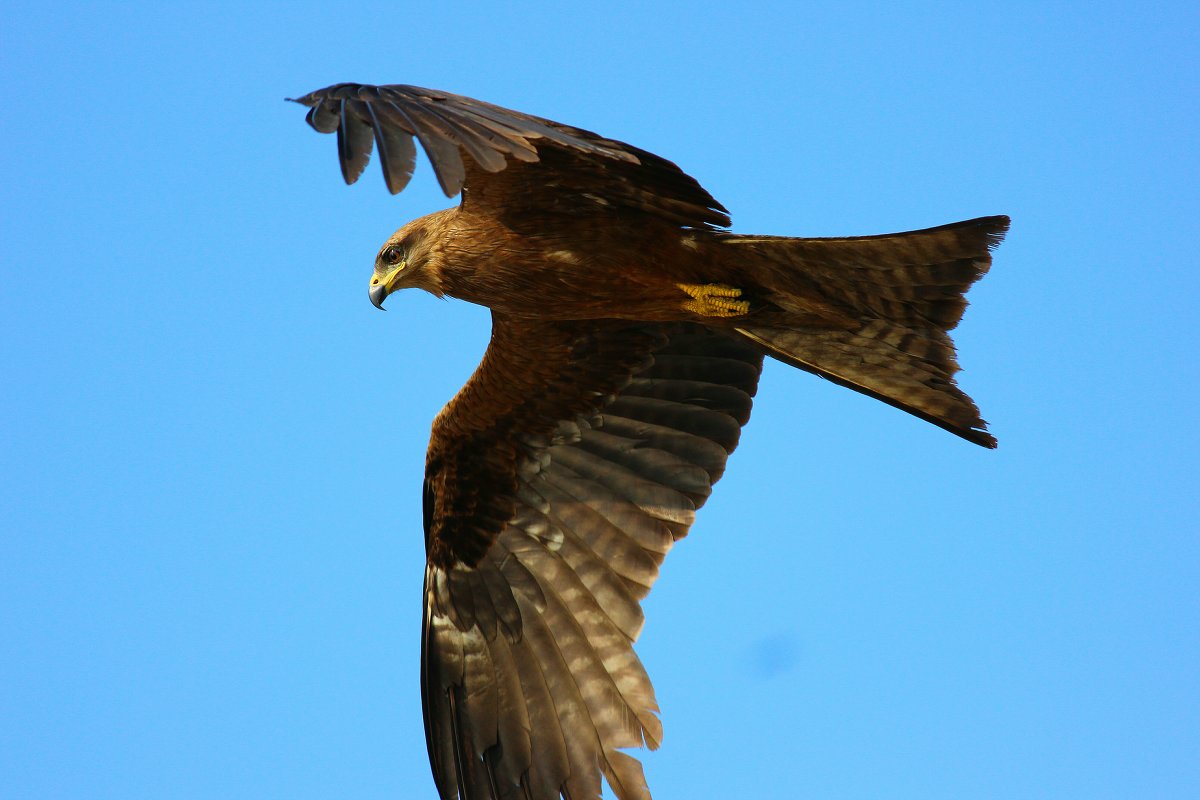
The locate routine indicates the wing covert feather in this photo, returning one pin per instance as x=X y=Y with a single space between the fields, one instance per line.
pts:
x=531 y=686
x=512 y=165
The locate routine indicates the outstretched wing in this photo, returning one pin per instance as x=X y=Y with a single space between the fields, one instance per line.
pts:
x=556 y=482
x=508 y=162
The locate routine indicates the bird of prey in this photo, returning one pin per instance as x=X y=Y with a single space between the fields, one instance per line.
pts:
x=628 y=333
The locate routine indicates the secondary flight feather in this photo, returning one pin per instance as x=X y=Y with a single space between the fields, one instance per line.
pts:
x=629 y=330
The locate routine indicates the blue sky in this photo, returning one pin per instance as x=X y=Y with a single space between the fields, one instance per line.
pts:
x=212 y=445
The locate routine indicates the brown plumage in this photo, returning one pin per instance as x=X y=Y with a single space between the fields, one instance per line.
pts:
x=628 y=337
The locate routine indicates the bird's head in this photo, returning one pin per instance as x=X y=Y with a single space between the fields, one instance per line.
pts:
x=410 y=258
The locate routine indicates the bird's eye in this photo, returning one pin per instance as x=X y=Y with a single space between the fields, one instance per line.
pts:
x=391 y=256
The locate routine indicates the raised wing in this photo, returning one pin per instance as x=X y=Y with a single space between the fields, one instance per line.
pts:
x=508 y=162
x=557 y=481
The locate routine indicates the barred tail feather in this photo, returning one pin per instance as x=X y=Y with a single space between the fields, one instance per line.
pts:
x=905 y=291
x=868 y=361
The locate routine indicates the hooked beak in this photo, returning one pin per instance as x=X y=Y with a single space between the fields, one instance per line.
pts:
x=382 y=287
x=377 y=293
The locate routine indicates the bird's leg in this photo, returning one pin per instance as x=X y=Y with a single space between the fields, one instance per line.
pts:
x=714 y=300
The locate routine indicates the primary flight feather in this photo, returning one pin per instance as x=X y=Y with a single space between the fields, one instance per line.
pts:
x=628 y=334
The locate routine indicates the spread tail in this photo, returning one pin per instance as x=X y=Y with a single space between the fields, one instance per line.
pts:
x=901 y=294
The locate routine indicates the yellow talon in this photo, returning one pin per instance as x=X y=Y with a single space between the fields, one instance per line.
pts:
x=712 y=300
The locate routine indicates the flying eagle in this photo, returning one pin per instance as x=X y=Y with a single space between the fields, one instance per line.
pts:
x=628 y=334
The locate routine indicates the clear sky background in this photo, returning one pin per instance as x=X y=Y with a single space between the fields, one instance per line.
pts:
x=210 y=470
